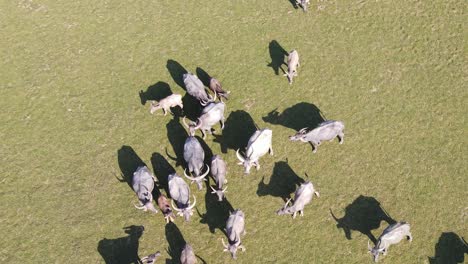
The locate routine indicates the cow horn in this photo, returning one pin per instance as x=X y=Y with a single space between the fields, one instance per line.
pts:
x=287 y=202
x=198 y=125
x=139 y=207
x=214 y=96
x=185 y=123
x=189 y=177
x=175 y=206
x=224 y=190
x=224 y=243
x=194 y=202
x=214 y=191
x=239 y=156
x=206 y=173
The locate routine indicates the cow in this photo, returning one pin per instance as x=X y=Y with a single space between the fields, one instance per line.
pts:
x=218 y=171
x=304 y=4
x=165 y=104
x=235 y=227
x=327 y=130
x=393 y=234
x=165 y=208
x=143 y=185
x=194 y=155
x=259 y=144
x=293 y=64
x=196 y=89
x=210 y=115
x=302 y=197
x=150 y=259
x=180 y=192
x=216 y=87
x=188 y=256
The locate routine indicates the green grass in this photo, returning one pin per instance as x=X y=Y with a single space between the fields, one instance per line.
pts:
x=394 y=71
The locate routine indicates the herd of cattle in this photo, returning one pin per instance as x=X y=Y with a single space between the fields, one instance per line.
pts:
x=259 y=144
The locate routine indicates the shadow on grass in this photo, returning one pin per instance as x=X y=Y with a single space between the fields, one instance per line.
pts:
x=294 y=4
x=216 y=213
x=155 y=92
x=177 y=72
x=192 y=107
x=238 y=129
x=277 y=55
x=283 y=182
x=296 y=117
x=450 y=249
x=363 y=215
x=128 y=161
x=176 y=135
x=203 y=76
x=176 y=243
x=123 y=250
x=162 y=169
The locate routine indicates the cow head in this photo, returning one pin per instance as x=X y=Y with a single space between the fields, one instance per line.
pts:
x=246 y=162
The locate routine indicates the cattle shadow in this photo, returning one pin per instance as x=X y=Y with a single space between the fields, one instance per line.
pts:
x=192 y=107
x=277 y=55
x=283 y=182
x=363 y=215
x=238 y=129
x=123 y=250
x=155 y=92
x=450 y=249
x=296 y=117
x=162 y=169
x=294 y=4
x=203 y=76
x=176 y=243
x=128 y=161
x=176 y=135
x=177 y=72
x=216 y=213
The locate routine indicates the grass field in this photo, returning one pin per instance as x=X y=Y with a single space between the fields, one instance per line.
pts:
x=74 y=122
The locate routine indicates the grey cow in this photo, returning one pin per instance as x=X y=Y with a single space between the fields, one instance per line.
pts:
x=235 y=226
x=194 y=155
x=327 y=130
x=219 y=170
x=293 y=64
x=393 y=234
x=196 y=89
x=188 y=256
x=304 y=4
x=211 y=114
x=143 y=185
x=150 y=259
x=259 y=144
x=180 y=192
x=302 y=197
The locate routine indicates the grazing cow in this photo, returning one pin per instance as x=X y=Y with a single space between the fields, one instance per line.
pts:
x=211 y=114
x=302 y=197
x=304 y=4
x=150 y=259
x=293 y=64
x=196 y=89
x=165 y=104
x=235 y=226
x=327 y=130
x=218 y=170
x=393 y=234
x=188 y=256
x=165 y=208
x=194 y=155
x=180 y=192
x=143 y=185
x=259 y=144
x=216 y=87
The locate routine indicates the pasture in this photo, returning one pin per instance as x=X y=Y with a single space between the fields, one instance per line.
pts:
x=76 y=77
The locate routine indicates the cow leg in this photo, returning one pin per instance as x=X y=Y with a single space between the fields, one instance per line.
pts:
x=257 y=165
x=222 y=123
x=385 y=252
x=302 y=212
x=164 y=110
x=341 y=137
x=314 y=148
x=410 y=237
x=294 y=215
x=271 y=150
x=203 y=133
